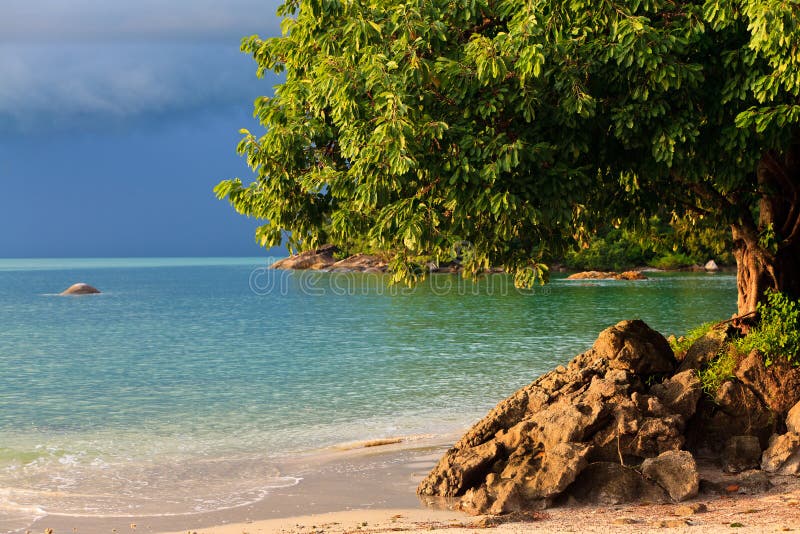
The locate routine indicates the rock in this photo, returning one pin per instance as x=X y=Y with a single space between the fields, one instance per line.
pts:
x=359 y=263
x=691 y=509
x=676 y=472
x=741 y=453
x=793 y=419
x=631 y=275
x=782 y=457
x=680 y=393
x=711 y=265
x=531 y=446
x=778 y=385
x=610 y=275
x=610 y=483
x=634 y=347
x=705 y=349
x=80 y=289
x=317 y=259
x=734 y=411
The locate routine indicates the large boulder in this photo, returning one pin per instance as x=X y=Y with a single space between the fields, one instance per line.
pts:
x=676 y=472
x=777 y=384
x=782 y=457
x=80 y=289
x=319 y=258
x=598 y=408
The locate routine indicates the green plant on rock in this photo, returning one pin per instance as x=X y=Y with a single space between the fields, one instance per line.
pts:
x=777 y=334
x=718 y=371
x=682 y=344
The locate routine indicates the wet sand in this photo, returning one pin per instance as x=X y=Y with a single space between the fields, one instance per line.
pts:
x=347 y=477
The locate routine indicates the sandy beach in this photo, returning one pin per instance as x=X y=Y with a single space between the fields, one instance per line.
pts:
x=371 y=490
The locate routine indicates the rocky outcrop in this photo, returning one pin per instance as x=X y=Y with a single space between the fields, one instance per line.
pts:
x=711 y=265
x=80 y=289
x=317 y=259
x=610 y=275
x=575 y=432
x=598 y=409
x=360 y=263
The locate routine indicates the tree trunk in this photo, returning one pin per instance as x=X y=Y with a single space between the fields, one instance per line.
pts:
x=767 y=252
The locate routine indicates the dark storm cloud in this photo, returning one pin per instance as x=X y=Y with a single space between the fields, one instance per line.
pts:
x=38 y=20
x=84 y=64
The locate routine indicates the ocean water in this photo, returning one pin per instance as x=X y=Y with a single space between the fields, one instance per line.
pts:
x=181 y=387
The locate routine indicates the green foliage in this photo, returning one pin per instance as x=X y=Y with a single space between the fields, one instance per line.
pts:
x=519 y=126
x=777 y=334
x=679 y=243
x=681 y=345
x=615 y=252
x=718 y=371
x=672 y=261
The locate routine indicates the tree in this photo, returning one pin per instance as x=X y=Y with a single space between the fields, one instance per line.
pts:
x=518 y=126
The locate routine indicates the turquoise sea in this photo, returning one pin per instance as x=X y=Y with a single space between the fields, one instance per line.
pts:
x=181 y=387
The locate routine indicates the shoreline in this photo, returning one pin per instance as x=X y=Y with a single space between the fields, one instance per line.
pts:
x=374 y=475
x=371 y=489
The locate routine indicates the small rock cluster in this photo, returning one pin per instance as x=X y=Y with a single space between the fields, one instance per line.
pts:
x=323 y=259
x=610 y=275
x=617 y=424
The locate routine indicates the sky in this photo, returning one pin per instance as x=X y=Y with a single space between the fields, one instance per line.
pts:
x=117 y=119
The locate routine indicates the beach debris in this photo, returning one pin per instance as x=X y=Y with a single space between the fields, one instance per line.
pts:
x=80 y=288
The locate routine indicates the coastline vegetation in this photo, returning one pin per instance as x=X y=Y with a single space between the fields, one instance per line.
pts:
x=671 y=245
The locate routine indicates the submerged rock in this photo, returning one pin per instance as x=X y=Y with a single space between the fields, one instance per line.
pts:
x=80 y=289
